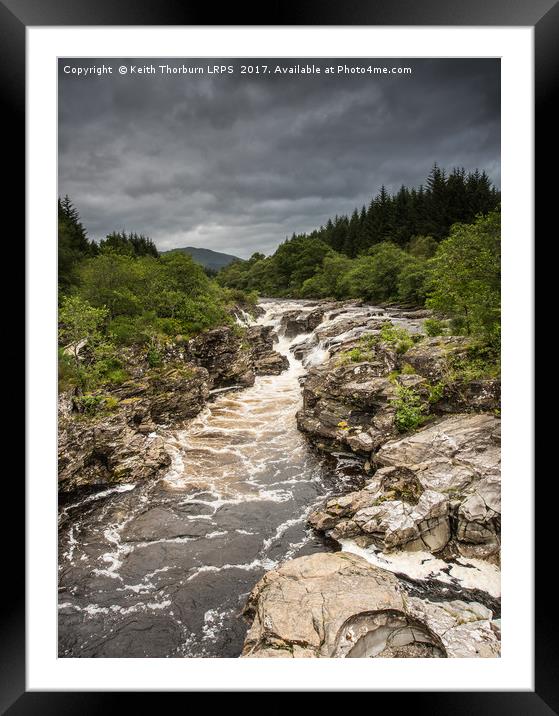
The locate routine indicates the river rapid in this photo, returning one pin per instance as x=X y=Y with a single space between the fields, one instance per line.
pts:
x=163 y=569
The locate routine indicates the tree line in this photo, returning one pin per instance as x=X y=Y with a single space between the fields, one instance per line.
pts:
x=122 y=292
x=438 y=245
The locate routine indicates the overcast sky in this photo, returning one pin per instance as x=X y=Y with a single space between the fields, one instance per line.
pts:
x=236 y=162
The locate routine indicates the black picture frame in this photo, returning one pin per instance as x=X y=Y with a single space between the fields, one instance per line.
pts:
x=15 y=17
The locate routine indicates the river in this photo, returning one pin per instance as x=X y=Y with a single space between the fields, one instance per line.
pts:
x=163 y=569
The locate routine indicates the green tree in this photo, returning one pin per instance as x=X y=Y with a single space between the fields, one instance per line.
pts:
x=412 y=281
x=422 y=247
x=326 y=283
x=465 y=281
x=375 y=277
x=73 y=244
x=128 y=244
x=80 y=324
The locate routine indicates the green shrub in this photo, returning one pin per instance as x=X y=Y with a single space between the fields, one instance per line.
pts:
x=88 y=404
x=68 y=376
x=480 y=362
x=436 y=392
x=410 y=411
x=434 y=327
x=400 y=339
x=153 y=356
x=93 y=404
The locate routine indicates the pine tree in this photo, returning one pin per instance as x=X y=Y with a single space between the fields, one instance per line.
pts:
x=73 y=244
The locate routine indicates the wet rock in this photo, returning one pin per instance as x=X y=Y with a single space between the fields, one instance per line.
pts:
x=301 y=603
x=120 y=444
x=169 y=394
x=391 y=523
x=439 y=483
x=265 y=359
x=233 y=357
x=348 y=406
x=470 y=396
x=295 y=322
x=467 y=629
x=107 y=451
x=339 y=605
x=225 y=355
x=160 y=524
x=479 y=515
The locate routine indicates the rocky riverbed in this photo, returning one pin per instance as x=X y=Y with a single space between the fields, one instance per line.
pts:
x=262 y=478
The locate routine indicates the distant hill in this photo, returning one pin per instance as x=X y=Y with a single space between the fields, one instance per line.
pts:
x=208 y=258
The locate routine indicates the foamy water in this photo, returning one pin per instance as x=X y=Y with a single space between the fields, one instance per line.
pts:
x=163 y=569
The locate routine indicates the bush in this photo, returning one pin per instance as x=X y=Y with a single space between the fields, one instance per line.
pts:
x=153 y=356
x=434 y=327
x=68 y=376
x=400 y=339
x=374 y=277
x=93 y=404
x=409 y=409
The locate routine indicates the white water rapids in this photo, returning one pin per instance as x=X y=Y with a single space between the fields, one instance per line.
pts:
x=163 y=569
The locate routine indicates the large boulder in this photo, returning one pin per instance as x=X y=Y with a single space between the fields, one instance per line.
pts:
x=225 y=355
x=430 y=357
x=106 y=452
x=296 y=322
x=339 y=605
x=451 y=454
x=460 y=457
x=265 y=360
x=234 y=356
x=393 y=511
x=438 y=484
x=348 y=405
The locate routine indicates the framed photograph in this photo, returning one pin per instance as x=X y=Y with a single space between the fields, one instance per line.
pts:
x=274 y=365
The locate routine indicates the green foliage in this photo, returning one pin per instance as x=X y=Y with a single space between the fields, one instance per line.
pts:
x=422 y=247
x=480 y=362
x=412 y=280
x=400 y=339
x=80 y=324
x=327 y=282
x=92 y=404
x=380 y=252
x=146 y=296
x=374 y=277
x=410 y=410
x=128 y=244
x=434 y=327
x=436 y=391
x=73 y=244
x=153 y=356
x=465 y=281
x=68 y=374
x=106 y=366
x=124 y=294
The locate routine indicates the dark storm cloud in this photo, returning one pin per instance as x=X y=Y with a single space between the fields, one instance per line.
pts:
x=238 y=162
